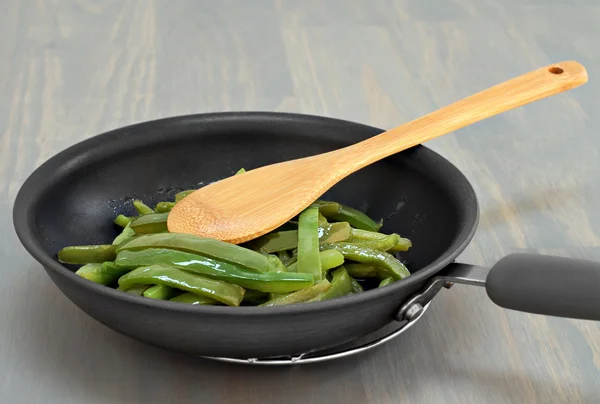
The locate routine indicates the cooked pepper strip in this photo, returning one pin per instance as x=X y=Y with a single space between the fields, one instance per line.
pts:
x=366 y=271
x=122 y=220
x=329 y=259
x=341 y=285
x=191 y=298
x=125 y=235
x=308 y=243
x=207 y=247
x=275 y=264
x=288 y=239
x=150 y=223
x=87 y=254
x=180 y=195
x=363 y=236
x=160 y=292
x=142 y=208
x=176 y=278
x=163 y=207
x=386 y=282
x=137 y=290
x=356 y=287
x=301 y=295
x=341 y=213
x=383 y=244
x=103 y=274
x=276 y=282
x=334 y=232
x=367 y=255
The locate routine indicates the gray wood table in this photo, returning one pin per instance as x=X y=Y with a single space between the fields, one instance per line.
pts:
x=71 y=69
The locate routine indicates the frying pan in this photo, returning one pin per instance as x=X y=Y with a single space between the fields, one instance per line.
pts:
x=72 y=198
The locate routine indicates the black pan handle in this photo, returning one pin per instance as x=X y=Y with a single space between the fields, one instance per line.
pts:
x=549 y=285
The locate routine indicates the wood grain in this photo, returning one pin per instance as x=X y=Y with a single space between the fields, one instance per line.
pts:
x=74 y=68
x=241 y=208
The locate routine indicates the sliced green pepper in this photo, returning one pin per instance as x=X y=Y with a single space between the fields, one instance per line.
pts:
x=386 y=282
x=180 y=195
x=308 y=243
x=160 y=292
x=191 y=298
x=240 y=171
x=367 y=255
x=341 y=213
x=122 y=220
x=137 y=290
x=301 y=295
x=150 y=223
x=341 y=285
x=163 y=207
x=206 y=247
x=356 y=287
x=275 y=264
x=103 y=274
x=288 y=239
x=87 y=254
x=176 y=278
x=361 y=271
x=142 y=208
x=125 y=235
x=363 y=237
x=329 y=259
x=276 y=282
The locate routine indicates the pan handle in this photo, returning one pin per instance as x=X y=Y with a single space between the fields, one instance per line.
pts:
x=542 y=284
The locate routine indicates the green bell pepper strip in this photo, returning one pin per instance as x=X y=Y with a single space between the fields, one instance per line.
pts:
x=329 y=259
x=125 y=235
x=341 y=285
x=275 y=282
x=356 y=287
x=87 y=254
x=240 y=171
x=361 y=271
x=275 y=264
x=337 y=212
x=142 y=208
x=137 y=290
x=191 y=298
x=308 y=243
x=163 y=207
x=103 y=274
x=301 y=295
x=288 y=239
x=383 y=244
x=231 y=295
x=364 y=236
x=365 y=255
x=386 y=282
x=206 y=247
x=160 y=292
x=150 y=223
x=122 y=220
x=180 y=195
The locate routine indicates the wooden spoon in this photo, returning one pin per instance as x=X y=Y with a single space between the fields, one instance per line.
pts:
x=246 y=206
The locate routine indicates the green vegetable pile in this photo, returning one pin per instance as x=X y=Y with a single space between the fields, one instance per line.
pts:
x=329 y=250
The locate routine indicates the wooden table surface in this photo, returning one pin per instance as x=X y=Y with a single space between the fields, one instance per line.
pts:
x=71 y=69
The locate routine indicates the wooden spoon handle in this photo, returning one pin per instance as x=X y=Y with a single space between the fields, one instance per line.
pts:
x=521 y=90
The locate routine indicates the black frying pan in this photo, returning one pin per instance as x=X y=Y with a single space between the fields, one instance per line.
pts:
x=72 y=199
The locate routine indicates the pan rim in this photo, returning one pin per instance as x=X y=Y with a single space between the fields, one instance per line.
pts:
x=30 y=191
